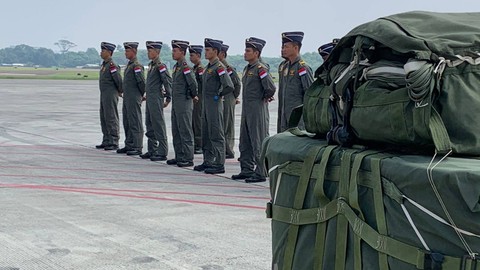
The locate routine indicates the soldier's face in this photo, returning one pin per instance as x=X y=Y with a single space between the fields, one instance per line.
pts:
x=177 y=54
x=288 y=50
x=209 y=53
x=194 y=58
x=250 y=54
x=130 y=53
x=152 y=54
x=105 y=54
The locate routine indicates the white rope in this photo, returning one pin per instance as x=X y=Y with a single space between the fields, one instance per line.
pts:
x=442 y=204
x=436 y=217
x=417 y=232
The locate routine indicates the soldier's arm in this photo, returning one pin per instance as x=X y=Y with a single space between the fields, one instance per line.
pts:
x=167 y=81
x=117 y=78
x=191 y=81
x=236 y=83
x=226 y=81
x=140 y=78
x=267 y=83
x=306 y=77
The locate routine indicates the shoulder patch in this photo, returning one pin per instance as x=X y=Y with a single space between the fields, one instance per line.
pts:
x=262 y=73
x=162 y=68
x=113 y=68
x=220 y=71
x=137 y=69
x=302 y=71
x=186 y=69
x=301 y=62
x=200 y=71
x=229 y=70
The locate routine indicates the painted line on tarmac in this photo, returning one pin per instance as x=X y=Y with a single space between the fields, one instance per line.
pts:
x=139 y=191
x=52 y=177
x=142 y=197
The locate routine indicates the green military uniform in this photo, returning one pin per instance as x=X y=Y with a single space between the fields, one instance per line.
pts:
x=229 y=103
x=197 y=109
x=197 y=106
x=158 y=87
x=110 y=84
x=216 y=84
x=294 y=79
x=184 y=89
x=134 y=89
x=258 y=86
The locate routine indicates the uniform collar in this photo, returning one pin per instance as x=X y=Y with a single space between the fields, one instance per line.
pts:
x=254 y=63
x=295 y=61
x=132 y=61
x=214 y=62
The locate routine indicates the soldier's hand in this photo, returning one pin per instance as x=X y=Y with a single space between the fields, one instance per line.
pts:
x=165 y=104
x=237 y=101
x=270 y=99
x=120 y=94
x=144 y=98
x=195 y=99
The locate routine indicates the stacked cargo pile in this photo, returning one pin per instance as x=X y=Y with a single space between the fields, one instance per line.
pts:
x=388 y=176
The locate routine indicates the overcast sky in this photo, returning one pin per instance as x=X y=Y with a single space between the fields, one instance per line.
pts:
x=88 y=22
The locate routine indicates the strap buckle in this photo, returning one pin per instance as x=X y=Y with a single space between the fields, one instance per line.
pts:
x=433 y=261
x=469 y=262
x=268 y=210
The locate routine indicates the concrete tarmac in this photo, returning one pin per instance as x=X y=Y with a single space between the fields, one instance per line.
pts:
x=66 y=205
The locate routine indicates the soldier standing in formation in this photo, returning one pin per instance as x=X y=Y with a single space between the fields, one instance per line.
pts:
x=229 y=102
x=258 y=91
x=198 y=69
x=110 y=83
x=158 y=96
x=295 y=77
x=184 y=92
x=216 y=84
x=134 y=89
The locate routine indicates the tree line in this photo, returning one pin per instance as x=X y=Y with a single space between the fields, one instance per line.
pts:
x=44 y=57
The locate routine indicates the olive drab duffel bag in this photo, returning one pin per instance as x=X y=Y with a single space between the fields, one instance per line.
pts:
x=410 y=80
x=336 y=208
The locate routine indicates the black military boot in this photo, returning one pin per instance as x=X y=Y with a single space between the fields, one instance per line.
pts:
x=110 y=147
x=123 y=150
x=172 y=161
x=242 y=176
x=100 y=146
x=215 y=169
x=158 y=158
x=185 y=163
x=201 y=167
x=134 y=153
x=146 y=155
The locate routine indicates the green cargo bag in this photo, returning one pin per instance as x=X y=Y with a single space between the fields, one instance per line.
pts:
x=409 y=80
x=336 y=208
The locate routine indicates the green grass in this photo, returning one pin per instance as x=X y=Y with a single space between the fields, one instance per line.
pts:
x=48 y=73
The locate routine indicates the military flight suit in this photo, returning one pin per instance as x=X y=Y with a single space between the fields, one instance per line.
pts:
x=294 y=79
x=134 y=89
x=110 y=84
x=197 y=109
x=258 y=86
x=158 y=81
x=216 y=83
x=229 y=102
x=184 y=88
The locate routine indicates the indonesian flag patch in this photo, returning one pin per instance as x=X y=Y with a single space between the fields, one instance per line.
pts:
x=113 y=69
x=200 y=72
x=220 y=71
x=162 y=68
x=230 y=71
x=302 y=71
x=137 y=69
x=186 y=70
x=263 y=73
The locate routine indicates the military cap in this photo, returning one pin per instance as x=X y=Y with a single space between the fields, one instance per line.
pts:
x=256 y=43
x=292 y=37
x=154 y=44
x=130 y=45
x=107 y=46
x=326 y=49
x=213 y=43
x=195 y=49
x=225 y=47
x=181 y=44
